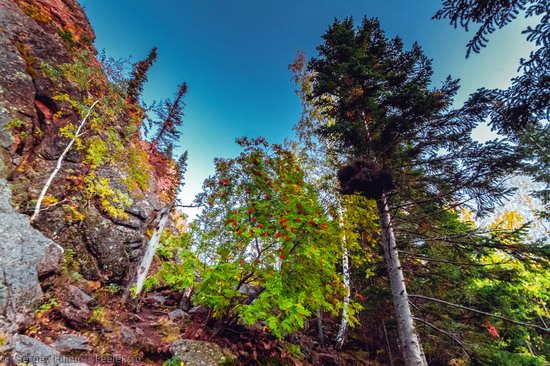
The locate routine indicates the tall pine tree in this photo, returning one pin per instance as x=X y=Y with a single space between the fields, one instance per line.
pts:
x=139 y=76
x=405 y=146
x=169 y=116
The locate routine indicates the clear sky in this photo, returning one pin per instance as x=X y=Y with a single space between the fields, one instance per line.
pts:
x=234 y=57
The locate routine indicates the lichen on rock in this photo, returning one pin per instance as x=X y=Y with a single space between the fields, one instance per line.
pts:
x=201 y=353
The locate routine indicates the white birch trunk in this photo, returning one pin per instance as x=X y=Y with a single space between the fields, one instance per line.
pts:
x=59 y=163
x=411 y=348
x=151 y=249
x=341 y=336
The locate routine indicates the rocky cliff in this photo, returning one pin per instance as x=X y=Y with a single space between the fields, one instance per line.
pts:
x=102 y=203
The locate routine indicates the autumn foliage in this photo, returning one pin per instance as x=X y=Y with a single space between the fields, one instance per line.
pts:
x=272 y=251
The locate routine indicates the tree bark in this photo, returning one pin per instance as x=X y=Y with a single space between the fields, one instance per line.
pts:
x=321 y=333
x=185 y=301
x=151 y=249
x=411 y=348
x=341 y=336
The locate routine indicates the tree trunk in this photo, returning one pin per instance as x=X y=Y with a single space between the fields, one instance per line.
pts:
x=60 y=163
x=185 y=301
x=411 y=348
x=151 y=249
x=341 y=336
x=320 y=334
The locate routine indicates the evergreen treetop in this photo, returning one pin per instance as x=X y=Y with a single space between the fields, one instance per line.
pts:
x=139 y=76
x=399 y=134
x=169 y=116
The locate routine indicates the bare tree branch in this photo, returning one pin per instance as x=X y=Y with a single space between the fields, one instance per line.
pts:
x=430 y=259
x=59 y=163
x=479 y=311
x=456 y=340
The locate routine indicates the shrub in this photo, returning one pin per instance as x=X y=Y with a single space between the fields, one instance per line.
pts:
x=272 y=251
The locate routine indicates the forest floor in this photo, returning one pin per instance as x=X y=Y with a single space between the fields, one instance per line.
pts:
x=140 y=332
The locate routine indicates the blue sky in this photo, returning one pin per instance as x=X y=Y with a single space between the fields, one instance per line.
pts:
x=234 y=57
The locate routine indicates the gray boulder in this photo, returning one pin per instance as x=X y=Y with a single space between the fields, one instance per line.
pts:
x=50 y=261
x=128 y=335
x=200 y=353
x=66 y=343
x=23 y=251
x=79 y=298
x=33 y=352
x=177 y=314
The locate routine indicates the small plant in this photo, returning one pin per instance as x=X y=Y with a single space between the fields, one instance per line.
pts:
x=173 y=361
x=67 y=37
x=227 y=361
x=30 y=61
x=294 y=350
x=76 y=276
x=70 y=265
x=49 y=71
x=72 y=214
x=18 y=128
x=46 y=307
x=15 y=124
x=96 y=153
x=112 y=200
x=32 y=329
x=99 y=315
x=49 y=200
x=86 y=39
x=69 y=261
x=37 y=15
x=138 y=170
x=114 y=288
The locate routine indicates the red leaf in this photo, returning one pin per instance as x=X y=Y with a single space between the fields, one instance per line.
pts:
x=493 y=332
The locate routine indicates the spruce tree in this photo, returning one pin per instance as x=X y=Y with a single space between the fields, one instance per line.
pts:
x=139 y=76
x=169 y=116
x=405 y=146
x=181 y=165
x=520 y=112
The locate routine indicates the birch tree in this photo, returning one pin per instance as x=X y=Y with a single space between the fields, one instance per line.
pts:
x=151 y=249
x=163 y=218
x=322 y=161
x=60 y=160
x=341 y=336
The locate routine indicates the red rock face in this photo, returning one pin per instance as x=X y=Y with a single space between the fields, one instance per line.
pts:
x=34 y=32
x=44 y=109
x=64 y=14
